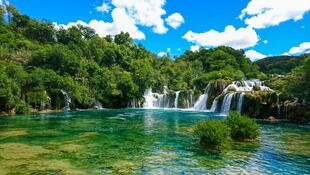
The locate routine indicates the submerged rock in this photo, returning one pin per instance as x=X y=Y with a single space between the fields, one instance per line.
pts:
x=271 y=119
x=13 y=151
x=17 y=133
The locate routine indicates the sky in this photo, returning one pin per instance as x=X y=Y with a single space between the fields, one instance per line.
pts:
x=260 y=27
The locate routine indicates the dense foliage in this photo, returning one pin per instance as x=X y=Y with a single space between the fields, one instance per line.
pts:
x=296 y=84
x=280 y=65
x=38 y=62
x=242 y=127
x=212 y=132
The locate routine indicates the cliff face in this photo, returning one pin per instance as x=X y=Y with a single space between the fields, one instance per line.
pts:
x=262 y=104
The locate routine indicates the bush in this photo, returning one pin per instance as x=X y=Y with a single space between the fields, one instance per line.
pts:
x=242 y=127
x=212 y=132
x=23 y=108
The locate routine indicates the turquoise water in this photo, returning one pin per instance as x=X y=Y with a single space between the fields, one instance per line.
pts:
x=141 y=141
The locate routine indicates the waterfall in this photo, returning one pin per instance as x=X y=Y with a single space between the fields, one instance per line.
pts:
x=67 y=101
x=97 y=104
x=176 y=99
x=214 y=105
x=231 y=98
x=240 y=102
x=149 y=99
x=226 y=103
x=201 y=104
x=278 y=105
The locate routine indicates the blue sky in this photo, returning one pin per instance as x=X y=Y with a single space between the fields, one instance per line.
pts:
x=269 y=27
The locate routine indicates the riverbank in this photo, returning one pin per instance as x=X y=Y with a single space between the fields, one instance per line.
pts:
x=33 y=111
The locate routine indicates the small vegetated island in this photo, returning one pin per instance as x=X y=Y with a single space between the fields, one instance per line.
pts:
x=216 y=95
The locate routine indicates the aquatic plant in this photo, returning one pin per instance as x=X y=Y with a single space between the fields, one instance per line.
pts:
x=242 y=127
x=212 y=132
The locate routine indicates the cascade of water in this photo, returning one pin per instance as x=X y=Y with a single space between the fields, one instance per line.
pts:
x=176 y=100
x=97 y=104
x=278 y=105
x=149 y=99
x=247 y=86
x=67 y=101
x=240 y=102
x=191 y=98
x=214 y=105
x=201 y=104
x=226 y=103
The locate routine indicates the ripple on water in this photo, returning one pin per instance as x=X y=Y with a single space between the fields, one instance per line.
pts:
x=142 y=141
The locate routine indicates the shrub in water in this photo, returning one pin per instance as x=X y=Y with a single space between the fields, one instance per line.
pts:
x=22 y=108
x=212 y=132
x=242 y=127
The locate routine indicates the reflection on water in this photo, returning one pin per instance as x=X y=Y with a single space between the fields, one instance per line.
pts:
x=142 y=142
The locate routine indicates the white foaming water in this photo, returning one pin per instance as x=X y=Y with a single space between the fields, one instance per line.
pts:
x=214 y=104
x=240 y=102
x=149 y=99
x=226 y=104
x=246 y=86
x=67 y=101
x=155 y=100
x=176 y=100
x=97 y=103
x=201 y=104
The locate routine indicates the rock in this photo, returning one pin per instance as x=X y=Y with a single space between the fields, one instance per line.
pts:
x=271 y=119
x=96 y=107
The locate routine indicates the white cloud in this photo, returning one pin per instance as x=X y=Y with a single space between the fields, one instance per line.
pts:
x=265 y=41
x=145 y=12
x=161 y=54
x=179 y=49
x=175 y=20
x=104 y=8
x=127 y=16
x=195 y=48
x=285 y=54
x=265 y=13
x=121 y=22
x=168 y=50
x=238 y=39
x=302 y=48
x=254 y=55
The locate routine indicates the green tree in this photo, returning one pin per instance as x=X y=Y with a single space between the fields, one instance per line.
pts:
x=123 y=39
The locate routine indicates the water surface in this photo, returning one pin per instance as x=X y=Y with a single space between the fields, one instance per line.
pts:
x=132 y=141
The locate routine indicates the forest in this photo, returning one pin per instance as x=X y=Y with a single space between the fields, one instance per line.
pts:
x=38 y=62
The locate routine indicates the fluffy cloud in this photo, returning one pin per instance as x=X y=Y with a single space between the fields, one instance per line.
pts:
x=238 y=39
x=161 y=54
x=145 y=12
x=175 y=20
x=195 y=48
x=265 y=13
x=265 y=41
x=104 y=8
x=302 y=48
x=128 y=15
x=254 y=55
x=121 y=22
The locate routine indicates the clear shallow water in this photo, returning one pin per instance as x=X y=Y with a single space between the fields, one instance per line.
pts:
x=142 y=142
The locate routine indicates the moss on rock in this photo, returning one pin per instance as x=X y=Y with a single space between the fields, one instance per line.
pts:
x=16 y=133
x=14 y=151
